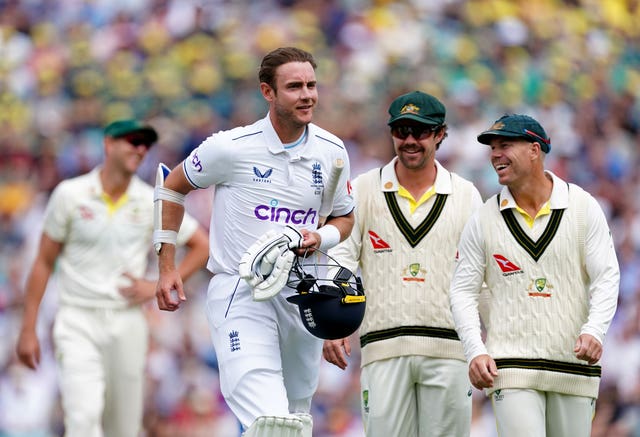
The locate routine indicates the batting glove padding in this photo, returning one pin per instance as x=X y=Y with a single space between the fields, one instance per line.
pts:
x=276 y=426
x=266 y=264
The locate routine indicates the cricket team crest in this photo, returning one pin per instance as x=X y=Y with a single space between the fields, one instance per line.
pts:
x=540 y=287
x=410 y=109
x=498 y=125
x=414 y=273
x=365 y=400
x=317 y=181
x=234 y=341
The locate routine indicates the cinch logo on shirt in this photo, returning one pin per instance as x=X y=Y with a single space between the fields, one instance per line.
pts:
x=196 y=161
x=508 y=268
x=274 y=213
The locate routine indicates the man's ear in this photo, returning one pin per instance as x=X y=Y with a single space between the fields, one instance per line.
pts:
x=536 y=149
x=267 y=92
x=108 y=144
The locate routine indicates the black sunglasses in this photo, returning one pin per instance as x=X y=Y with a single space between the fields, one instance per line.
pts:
x=417 y=132
x=137 y=140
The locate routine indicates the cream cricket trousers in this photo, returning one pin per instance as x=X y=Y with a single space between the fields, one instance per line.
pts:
x=101 y=357
x=533 y=413
x=416 y=396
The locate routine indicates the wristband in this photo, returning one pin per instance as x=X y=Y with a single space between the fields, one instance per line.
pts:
x=167 y=237
x=329 y=237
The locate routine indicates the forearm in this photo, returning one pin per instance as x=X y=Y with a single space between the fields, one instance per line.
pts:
x=196 y=256
x=172 y=214
x=167 y=259
x=34 y=291
x=344 y=224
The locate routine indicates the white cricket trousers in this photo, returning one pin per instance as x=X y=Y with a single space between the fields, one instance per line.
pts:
x=269 y=363
x=533 y=413
x=416 y=396
x=101 y=357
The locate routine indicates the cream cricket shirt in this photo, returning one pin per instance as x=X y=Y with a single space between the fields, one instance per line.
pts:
x=547 y=285
x=102 y=241
x=261 y=186
x=406 y=258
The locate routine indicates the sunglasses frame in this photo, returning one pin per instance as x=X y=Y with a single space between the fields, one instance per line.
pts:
x=136 y=140
x=418 y=132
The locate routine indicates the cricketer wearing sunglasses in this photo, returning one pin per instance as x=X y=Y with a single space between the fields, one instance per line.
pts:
x=96 y=239
x=409 y=216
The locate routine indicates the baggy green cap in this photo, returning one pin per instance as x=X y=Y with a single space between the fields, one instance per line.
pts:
x=417 y=106
x=517 y=126
x=121 y=128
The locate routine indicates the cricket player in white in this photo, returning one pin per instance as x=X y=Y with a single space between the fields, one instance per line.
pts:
x=409 y=216
x=544 y=250
x=267 y=175
x=97 y=238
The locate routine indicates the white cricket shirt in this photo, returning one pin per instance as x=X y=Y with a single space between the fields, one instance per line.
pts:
x=260 y=185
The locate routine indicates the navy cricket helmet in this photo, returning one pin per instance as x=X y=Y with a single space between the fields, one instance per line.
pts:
x=330 y=308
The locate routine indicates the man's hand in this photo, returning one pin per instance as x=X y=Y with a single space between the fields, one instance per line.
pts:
x=334 y=351
x=28 y=348
x=588 y=348
x=310 y=242
x=139 y=291
x=169 y=291
x=482 y=371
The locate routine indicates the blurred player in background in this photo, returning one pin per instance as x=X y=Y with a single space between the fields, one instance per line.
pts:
x=97 y=238
x=409 y=217
x=544 y=250
x=266 y=175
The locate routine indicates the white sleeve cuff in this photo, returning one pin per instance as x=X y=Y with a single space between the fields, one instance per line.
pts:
x=329 y=237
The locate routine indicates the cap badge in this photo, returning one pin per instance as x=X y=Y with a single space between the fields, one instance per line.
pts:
x=410 y=108
x=497 y=125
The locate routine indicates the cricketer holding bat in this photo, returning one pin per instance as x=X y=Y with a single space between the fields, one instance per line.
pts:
x=269 y=180
x=97 y=237
x=409 y=216
x=544 y=250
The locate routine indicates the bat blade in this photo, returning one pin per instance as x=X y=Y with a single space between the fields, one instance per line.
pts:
x=330 y=190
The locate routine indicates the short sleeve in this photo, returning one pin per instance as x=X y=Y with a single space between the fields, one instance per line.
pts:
x=56 y=217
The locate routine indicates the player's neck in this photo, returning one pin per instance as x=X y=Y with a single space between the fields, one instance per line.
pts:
x=114 y=183
x=416 y=181
x=288 y=132
x=533 y=194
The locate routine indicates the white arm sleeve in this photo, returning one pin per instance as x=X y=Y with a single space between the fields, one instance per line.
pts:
x=465 y=289
x=604 y=272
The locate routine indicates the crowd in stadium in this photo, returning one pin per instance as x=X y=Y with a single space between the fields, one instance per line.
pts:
x=189 y=67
